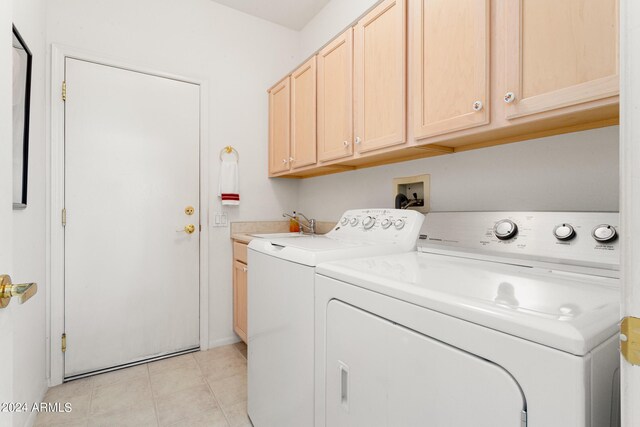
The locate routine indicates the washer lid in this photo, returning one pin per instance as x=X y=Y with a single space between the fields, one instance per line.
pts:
x=567 y=311
x=312 y=250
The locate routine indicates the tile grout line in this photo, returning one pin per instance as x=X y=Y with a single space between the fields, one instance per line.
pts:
x=153 y=396
x=90 y=411
x=224 y=414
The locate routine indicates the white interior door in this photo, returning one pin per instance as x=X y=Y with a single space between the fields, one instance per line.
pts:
x=131 y=170
x=6 y=193
x=382 y=374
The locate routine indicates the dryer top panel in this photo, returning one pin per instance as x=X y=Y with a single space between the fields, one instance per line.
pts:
x=567 y=311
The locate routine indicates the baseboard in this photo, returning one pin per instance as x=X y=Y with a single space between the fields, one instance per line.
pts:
x=224 y=341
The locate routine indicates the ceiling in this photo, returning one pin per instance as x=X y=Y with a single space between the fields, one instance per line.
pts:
x=294 y=14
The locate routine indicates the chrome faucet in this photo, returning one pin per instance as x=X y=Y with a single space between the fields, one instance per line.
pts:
x=312 y=222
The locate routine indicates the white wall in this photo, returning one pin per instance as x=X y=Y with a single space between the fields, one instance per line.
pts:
x=240 y=56
x=29 y=226
x=329 y=22
x=577 y=171
x=568 y=172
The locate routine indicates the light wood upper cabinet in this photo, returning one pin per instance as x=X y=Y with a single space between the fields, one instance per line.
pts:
x=380 y=77
x=335 y=98
x=279 y=127
x=240 y=299
x=560 y=53
x=449 y=65
x=420 y=78
x=303 y=115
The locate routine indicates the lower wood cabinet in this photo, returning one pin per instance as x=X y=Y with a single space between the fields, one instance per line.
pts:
x=240 y=270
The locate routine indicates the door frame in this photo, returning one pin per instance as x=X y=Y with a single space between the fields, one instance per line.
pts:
x=55 y=200
x=629 y=198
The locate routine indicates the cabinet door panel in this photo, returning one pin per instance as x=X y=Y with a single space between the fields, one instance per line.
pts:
x=240 y=299
x=303 y=115
x=560 y=53
x=450 y=65
x=335 y=98
x=279 y=127
x=380 y=70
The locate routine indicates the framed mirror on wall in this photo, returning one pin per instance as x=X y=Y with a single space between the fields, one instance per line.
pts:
x=22 y=59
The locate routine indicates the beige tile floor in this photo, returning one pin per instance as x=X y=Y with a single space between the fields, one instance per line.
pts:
x=198 y=389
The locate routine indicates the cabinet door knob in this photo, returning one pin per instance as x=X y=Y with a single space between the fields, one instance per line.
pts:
x=245 y=269
x=358 y=140
x=345 y=143
x=477 y=106
x=284 y=161
x=291 y=159
x=509 y=97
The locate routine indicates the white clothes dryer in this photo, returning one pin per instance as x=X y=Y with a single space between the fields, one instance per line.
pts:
x=498 y=320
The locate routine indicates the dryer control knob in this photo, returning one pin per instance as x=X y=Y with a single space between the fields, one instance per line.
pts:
x=564 y=232
x=399 y=224
x=354 y=222
x=344 y=221
x=604 y=233
x=385 y=223
x=368 y=222
x=505 y=229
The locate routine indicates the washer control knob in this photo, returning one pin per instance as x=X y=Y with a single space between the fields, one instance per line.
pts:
x=368 y=222
x=564 y=232
x=604 y=233
x=505 y=229
x=344 y=221
x=399 y=224
x=354 y=222
x=385 y=223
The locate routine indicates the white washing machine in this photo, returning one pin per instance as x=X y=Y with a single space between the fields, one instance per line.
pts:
x=499 y=319
x=281 y=303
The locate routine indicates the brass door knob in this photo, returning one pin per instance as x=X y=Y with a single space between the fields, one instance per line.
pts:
x=189 y=229
x=23 y=291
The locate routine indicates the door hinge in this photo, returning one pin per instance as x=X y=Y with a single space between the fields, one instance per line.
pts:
x=64 y=217
x=64 y=342
x=630 y=339
x=64 y=90
x=523 y=418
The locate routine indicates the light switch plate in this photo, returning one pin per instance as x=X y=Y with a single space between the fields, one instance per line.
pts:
x=220 y=219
